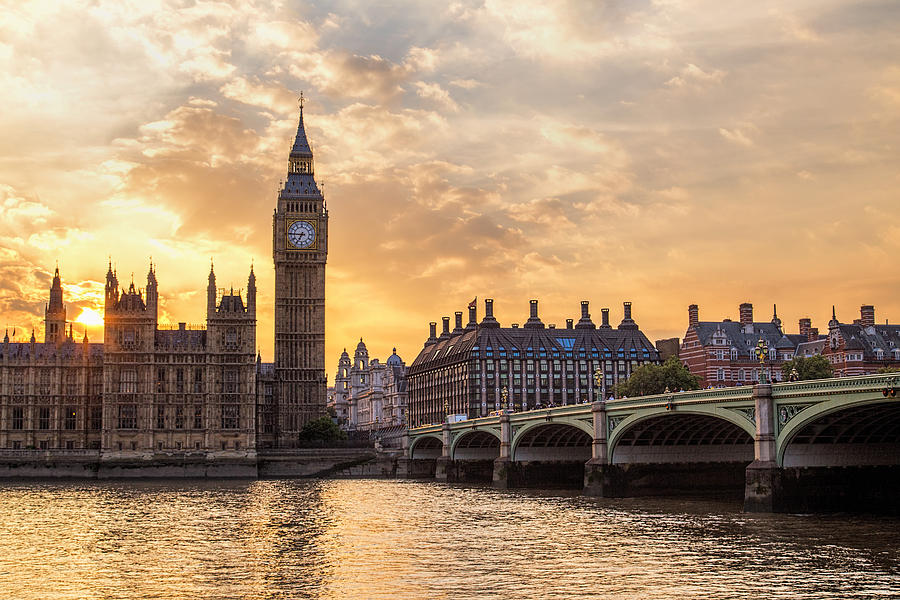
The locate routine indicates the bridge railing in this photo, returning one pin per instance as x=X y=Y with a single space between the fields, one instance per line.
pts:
x=835 y=384
x=729 y=394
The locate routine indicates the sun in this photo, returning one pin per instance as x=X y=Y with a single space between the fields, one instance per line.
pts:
x=90 y=317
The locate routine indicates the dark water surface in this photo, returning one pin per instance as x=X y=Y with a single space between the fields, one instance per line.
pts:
x=399 y=539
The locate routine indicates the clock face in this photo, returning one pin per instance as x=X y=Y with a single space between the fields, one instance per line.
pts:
x=301 y=234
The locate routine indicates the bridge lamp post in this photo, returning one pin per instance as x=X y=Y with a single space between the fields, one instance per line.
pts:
x=600 y=383
x=504 y=393
x=762 y=351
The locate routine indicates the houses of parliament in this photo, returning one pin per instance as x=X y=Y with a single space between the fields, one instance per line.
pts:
x=154 y=389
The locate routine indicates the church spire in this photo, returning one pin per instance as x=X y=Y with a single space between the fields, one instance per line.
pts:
x=301 y=147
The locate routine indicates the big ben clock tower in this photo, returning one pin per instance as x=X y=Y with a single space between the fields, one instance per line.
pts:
x=299 y=248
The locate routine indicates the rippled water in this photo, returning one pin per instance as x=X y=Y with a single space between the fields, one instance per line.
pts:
x=401 y=539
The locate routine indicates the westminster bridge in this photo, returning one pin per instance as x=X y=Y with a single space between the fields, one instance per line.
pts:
x=822 y=444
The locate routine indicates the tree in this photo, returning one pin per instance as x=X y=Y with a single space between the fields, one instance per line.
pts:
x=884 y=370
x=813 y=367
x=654 y=379
x=321 y=431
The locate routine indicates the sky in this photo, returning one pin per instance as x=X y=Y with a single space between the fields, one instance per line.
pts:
x=661 y=152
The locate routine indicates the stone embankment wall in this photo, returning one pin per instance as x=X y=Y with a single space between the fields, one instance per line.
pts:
x=302 y=463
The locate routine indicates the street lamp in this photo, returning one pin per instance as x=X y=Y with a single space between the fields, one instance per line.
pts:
x=504 y=393
x=762 y=351
x=598 y=380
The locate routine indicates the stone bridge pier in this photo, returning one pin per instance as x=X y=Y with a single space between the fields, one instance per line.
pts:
x=762 y=486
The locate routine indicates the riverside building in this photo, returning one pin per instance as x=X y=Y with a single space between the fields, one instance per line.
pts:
x=369 y=395
x=481 y=367
x=152 y=388
x=149 y=388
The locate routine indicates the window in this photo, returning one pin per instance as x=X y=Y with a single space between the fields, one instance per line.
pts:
x=198 y=416
x=127 y=416
x=231 y=338
x=96 y=422
x=231 y=381
x=179 y=417
x=44 y=417
x=70 y=417
x=160 y=416
x=179 y=381
x=198 y=380
x=231 y=416
x=18 y=417
x=128 y=381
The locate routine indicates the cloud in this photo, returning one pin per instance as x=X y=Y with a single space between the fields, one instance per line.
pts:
x=693 y=77
x=517 y=149
x=736 y=136
x=437 y=94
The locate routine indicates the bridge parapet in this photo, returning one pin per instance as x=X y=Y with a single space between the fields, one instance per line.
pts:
x=820 y=387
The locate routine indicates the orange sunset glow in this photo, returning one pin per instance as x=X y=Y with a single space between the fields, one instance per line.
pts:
x=662 y=152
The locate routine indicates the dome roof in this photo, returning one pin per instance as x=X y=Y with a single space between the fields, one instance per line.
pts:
x=361 y=347
x=394 y=360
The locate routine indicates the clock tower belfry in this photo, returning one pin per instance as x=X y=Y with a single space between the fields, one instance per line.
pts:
x=299 y=249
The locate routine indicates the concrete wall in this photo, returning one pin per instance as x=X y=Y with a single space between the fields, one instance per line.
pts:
x=561 y=474
x=839 y=455
x=856 y=489
x=341 y=462
x=318 y=462
x=677 y=479
x=682 y=454
x=552 y=454
x=476 y=453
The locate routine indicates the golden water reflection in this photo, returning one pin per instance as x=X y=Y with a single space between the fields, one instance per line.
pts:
x=399 y=539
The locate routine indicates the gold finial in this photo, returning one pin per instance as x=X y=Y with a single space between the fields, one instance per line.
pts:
x=301 y=101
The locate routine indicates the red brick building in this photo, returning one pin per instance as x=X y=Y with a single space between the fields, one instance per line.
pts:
x=723 y=353
x=860 y=348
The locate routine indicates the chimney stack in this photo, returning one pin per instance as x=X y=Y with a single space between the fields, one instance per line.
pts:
x=867 y=315
x=585 y=321
x=534 y=322
x=569 y=323
x=813 y=334
x=693 y=315
x=489 y=320
x=459 y=327
x=445 y=333
x=473 y=317
x=432 y=332
x=746 y=310
x=604 y=322
x=805 y=326
x=627 y=321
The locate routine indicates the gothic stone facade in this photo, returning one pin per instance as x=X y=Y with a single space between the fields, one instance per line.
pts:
x=149 y=388
x=299 y=250
x=465 y=371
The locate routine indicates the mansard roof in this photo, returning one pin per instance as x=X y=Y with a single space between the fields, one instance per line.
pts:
x=554 y=342
x=868 y=339
x=735 y=335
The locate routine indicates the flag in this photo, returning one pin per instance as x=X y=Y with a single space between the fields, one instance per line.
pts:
x=472 y=303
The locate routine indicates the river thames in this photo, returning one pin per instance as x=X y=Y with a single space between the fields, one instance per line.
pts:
x=402 y=539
